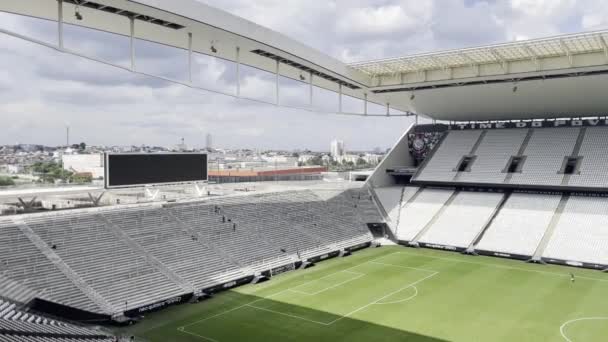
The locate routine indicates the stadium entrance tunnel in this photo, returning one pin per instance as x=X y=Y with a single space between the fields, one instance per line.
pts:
x=234 y=316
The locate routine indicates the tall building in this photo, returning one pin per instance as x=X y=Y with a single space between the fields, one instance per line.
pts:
x=209 y=141
x=337 y=149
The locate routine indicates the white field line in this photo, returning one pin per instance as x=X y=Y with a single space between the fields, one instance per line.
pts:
x=565 y=274
x=182 y=328
x=357 y=276
x=405 y=267
x=288 y=315
x=197 y=335
x=381 y=298
x=402 y=300
x=563 y=327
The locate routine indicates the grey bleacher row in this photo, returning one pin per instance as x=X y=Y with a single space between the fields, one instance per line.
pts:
x=116 y=259
x=16 y=320
x=551 y=227
x=543 y=150
x=17 y=338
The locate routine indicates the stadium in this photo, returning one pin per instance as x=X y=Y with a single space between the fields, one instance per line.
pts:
x=486 y=221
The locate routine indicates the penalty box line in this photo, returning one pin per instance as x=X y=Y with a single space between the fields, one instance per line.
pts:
x=357 y=275
x=250 y=304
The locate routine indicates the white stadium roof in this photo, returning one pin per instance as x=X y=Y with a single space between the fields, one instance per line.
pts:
x=527 y=50
x=562 y=76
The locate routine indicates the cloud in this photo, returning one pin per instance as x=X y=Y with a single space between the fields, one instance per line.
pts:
x=41 y=89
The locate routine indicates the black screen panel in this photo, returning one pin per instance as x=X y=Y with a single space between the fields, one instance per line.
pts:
x=138 y=169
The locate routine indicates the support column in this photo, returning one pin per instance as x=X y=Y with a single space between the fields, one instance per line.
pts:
x=60 y=23
x=190 y=57
x=132 y=42
x=340 y=98
x=238 y=71
x=365 y=104
x=310 y=87
x=277 y=81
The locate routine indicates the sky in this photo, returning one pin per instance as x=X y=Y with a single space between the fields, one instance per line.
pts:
x=42 y=91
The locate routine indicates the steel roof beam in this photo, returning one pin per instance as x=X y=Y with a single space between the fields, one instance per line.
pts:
x=604 y=46
x=533 y=56
x=566 y=50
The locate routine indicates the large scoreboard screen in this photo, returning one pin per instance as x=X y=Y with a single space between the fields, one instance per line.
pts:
x=137 y=169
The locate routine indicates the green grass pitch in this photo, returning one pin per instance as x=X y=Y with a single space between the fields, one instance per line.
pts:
x=398 y=294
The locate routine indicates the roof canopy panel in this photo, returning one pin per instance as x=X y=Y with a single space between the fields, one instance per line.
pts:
x=567 y=45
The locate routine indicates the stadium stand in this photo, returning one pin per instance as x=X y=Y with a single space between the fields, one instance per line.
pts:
x=520 y=225
x=23 y=263
x=106 y=263
x=417 y=213
x=118 y=259
x=390 y=197
x=510 y=192
x=594 y=160
x=443 y=162
x=545 y=155
x=581 y=234
x=478 y=157
x=462 y=220
x=492 y=156
x=18 y=324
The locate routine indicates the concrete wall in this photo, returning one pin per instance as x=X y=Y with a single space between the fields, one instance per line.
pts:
x=399 y=155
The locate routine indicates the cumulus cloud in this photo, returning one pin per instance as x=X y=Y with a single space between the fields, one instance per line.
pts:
x=41 y=90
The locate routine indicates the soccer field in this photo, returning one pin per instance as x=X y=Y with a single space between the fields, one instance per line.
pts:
x=399 y=294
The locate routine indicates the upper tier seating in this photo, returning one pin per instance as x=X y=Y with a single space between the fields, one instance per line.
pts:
x=593 y=171
x=542 y=157
x=545 y=155
x=443 y=161
x=493 y=154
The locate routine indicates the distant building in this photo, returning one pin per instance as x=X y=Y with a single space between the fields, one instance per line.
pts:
x=337 y=149
x=209 y=141
x=15 y=168
x=84 y=163
x=267 y=174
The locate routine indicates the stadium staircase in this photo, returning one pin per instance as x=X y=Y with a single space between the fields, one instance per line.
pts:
x=575 y=151
x=473 y=150
x=471 y=248
x=186 y=286
x=520 y=152
x=403 y=205
x=429 y=224
x=78 y=281
x=537 y=257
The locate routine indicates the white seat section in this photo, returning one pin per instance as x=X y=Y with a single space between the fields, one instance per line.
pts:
x=390 y=198
x=493 y=154
x=520 y=225
x=463 y=219
x=594 y=151
x=545 y=155
x=415 y=215
x=582 y=232
x=444 y=161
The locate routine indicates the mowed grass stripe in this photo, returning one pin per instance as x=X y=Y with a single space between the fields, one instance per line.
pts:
x=469 y=299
